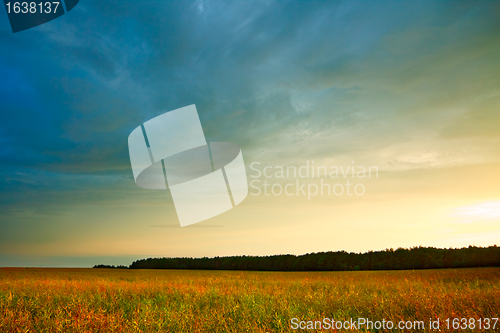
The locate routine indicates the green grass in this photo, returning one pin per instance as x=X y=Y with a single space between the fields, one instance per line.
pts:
x=101 y=300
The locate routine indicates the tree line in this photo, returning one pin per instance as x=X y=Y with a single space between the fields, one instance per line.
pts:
x=111 y=266
x=389 y=259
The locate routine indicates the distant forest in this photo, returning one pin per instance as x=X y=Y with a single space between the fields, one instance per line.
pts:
x=389 y=259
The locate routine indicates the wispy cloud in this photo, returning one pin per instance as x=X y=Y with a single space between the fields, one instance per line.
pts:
x=481 y=211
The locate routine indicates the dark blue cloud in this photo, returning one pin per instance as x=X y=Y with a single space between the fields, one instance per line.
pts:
x=75 y=87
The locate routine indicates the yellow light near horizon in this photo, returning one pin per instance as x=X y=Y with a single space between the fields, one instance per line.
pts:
x=484 y=210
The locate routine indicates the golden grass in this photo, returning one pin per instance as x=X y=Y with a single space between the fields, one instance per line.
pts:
x=107 y=300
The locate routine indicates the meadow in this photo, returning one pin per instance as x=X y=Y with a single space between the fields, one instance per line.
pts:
x=128 y=300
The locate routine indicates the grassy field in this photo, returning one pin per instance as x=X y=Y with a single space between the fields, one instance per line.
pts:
x=104 y=300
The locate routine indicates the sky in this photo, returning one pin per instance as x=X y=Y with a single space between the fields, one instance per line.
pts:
x=409 y=88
